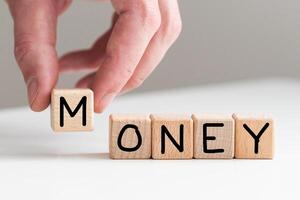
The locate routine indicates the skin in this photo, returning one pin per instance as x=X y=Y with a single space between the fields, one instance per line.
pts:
x=120 y=60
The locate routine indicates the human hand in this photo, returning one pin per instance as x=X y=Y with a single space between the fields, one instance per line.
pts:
x=120 y=60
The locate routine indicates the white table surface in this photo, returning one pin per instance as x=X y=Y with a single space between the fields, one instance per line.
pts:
x=37 y=164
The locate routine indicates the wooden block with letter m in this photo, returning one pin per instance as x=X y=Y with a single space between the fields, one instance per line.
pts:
x=72 y=110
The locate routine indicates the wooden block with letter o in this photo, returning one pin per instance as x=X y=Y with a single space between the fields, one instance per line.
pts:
x=172 y=136
x=72 y=110
x=213 y=136
x=253 y=137
x=130 y=136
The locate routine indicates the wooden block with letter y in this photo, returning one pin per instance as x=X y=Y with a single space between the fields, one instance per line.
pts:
x=213 y=136
x=253 y=137
x=72 y=110
x=172 y=136
x=130 y=136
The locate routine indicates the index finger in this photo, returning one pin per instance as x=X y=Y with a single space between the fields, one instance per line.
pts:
x=137 y=23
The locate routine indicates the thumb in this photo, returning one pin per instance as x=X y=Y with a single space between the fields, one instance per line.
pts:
x=35 y=37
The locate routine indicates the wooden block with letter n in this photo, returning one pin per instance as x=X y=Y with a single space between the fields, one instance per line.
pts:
x=72 y=110
x=213 y=136
x=253 y=137
x=130 y=136
x=172 y=136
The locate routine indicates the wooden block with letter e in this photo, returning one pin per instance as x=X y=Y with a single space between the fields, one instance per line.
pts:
x=213 y=136
x=72 y=110
x=130 y=136
x=172 y=136
x=253 y=137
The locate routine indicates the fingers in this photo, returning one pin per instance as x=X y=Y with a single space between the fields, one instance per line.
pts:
x=79 y=60
x=86 y=81
x=166 y=35
x=137 y=23
x=35 y=36
x=89 y=59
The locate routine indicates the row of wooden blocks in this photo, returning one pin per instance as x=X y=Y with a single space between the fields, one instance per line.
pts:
x=167 y=136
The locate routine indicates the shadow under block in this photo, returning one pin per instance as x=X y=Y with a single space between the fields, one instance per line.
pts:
x=130 y=136
x=172 y=136
x=254 y=137
x=72 y=110
x=213 y=136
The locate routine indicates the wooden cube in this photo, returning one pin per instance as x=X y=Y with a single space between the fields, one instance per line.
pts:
x=72 y=110
x=130 y=136
x=172 y=136
x=253 y=137
x=213 y=136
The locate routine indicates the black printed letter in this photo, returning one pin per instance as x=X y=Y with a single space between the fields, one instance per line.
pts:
x=63 y=103
x=138 y=134
x=164 y=131
x=205 y=138
x=256 y=137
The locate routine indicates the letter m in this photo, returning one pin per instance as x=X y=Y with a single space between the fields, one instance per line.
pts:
x=63 y=104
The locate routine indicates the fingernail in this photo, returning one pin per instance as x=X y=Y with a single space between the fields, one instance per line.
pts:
x=106 y=99
x=32 y=90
